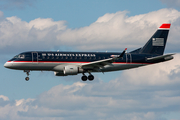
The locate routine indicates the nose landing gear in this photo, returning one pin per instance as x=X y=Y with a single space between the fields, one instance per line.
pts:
x=27 y=72
x=27 y=78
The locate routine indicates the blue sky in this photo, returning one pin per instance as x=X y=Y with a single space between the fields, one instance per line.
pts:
x=150 y=93
x=79 y=13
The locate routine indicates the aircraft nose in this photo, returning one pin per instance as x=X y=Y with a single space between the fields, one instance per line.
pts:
x=7 y=65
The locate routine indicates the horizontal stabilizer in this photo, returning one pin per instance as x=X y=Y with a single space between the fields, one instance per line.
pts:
x=164 y=57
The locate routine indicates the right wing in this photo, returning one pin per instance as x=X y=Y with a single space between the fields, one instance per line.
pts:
x=97 y=65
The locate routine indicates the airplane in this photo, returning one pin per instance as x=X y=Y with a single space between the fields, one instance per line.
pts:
x=73 y=63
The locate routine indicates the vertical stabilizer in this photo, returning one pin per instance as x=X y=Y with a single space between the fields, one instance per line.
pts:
x=157 y=42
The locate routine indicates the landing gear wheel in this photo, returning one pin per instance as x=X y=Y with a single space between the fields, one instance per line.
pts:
x=90 y=77
x=84 y=78
x=27 y=73
x=27 y=78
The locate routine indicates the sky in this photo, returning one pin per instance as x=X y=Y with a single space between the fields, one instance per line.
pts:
x=145 y=93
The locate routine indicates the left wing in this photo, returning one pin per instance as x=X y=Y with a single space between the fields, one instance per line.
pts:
x=101 y=63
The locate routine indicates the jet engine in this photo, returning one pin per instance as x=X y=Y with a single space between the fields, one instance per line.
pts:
x=72 y=70
x=67 y=70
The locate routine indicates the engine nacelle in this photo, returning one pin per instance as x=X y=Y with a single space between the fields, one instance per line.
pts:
x=72 y=70
x=59 y=74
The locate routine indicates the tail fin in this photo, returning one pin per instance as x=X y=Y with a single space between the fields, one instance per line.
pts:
x=157 y=42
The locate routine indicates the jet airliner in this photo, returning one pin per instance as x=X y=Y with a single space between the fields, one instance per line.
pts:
x=73 y=63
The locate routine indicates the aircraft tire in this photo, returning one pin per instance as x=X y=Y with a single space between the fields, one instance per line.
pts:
x=90 y=77
x=27 y=78
x=84 y=78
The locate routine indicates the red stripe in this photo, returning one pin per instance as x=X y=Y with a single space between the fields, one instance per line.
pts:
x=166 y=26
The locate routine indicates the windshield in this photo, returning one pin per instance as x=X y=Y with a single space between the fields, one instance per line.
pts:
x=21 y=56
x=16 y=56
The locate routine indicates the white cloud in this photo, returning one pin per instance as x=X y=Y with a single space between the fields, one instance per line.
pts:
x=22 y=35
x=117 y=30
x=161 y=72
x=4 y=97
x=42 y=24
x=143 y=93
x=110 y=32
x=10 y=110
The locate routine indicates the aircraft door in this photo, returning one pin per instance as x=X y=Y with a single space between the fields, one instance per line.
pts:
x=35 y=57
x=128 y=58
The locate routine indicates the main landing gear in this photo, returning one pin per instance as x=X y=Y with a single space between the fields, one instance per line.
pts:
x=90 y=77
x=27 y=72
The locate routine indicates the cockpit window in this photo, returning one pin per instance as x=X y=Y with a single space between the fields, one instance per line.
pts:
x=16 y=56
x=21 y=56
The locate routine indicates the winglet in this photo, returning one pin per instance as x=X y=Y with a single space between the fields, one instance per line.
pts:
x=122 y=53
